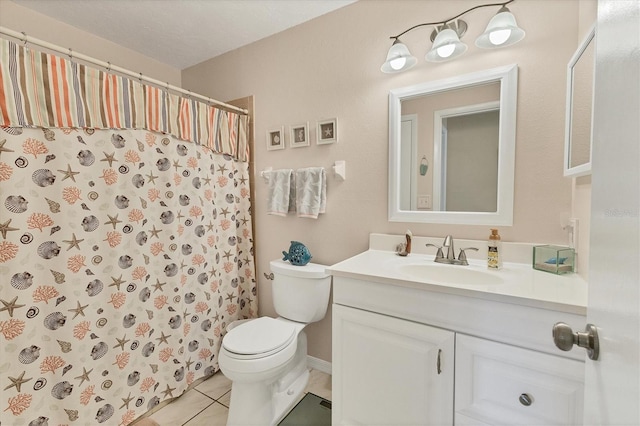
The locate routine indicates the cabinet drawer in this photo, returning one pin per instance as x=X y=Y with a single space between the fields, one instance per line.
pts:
x=498 y=384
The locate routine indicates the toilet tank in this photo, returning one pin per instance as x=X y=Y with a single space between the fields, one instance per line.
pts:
x=300 y=293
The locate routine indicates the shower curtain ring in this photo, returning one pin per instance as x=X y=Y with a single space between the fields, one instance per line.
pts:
x=167 y=87
x=140 y=78
x=70 y=54
x=108 y=66
x=24 y=39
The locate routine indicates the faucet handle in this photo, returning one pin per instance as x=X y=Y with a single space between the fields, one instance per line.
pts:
x=462 y=257
x=439 y=254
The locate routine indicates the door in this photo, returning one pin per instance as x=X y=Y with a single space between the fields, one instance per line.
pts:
x=408 y=155
x=388 y=371
x=466 y=145
x=612 y=384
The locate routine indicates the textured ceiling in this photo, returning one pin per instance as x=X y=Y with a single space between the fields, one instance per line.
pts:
x=182 y=33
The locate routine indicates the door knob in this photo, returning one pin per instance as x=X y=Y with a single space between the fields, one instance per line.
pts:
x=564 y=338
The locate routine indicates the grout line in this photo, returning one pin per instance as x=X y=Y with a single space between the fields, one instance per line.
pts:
x=199 y=412
x=202 y=393
x=218 y=400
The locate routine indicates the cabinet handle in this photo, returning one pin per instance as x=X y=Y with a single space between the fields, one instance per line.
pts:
x=525 y=399
x=438 y=361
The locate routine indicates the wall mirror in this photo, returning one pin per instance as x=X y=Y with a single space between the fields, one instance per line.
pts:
x=579 y=110
x=452 y=149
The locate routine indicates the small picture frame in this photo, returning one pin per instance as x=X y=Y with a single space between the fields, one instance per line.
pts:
x=275 y=138
x=327 y=131
x=299 y=135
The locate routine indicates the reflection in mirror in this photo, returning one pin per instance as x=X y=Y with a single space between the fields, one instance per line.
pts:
x=469 y=162
x=580 y=78
x=464 y=126
x=459 y=131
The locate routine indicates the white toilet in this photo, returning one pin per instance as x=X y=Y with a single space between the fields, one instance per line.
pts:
x=266 y=358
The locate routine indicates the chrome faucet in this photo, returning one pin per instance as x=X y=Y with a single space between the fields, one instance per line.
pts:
x=450 y=259
x=451 y=251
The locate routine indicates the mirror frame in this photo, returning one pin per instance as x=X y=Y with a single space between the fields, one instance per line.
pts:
x=582 y=169
x=508 y=78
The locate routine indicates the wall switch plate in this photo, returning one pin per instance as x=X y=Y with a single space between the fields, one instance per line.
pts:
x=424 y=201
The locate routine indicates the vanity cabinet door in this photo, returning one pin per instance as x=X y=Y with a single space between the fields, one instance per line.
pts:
x=498 y=384
x=388 y=371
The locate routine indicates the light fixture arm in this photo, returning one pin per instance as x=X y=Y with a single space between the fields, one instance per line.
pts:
x=503 y=4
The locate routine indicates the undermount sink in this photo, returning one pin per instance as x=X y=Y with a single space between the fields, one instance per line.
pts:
x=449 y=274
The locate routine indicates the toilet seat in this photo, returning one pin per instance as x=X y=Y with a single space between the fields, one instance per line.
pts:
x=259 y=338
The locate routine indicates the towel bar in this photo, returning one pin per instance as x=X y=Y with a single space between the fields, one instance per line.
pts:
x=262 y=173
x=339 y=170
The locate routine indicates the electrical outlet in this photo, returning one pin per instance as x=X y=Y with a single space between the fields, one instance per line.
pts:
x=424 y=202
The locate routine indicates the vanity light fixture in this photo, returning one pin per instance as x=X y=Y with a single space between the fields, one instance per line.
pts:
x=501 y=31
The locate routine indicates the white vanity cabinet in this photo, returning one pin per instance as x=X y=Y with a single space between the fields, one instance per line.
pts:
x=497 y=361
x=390 y=371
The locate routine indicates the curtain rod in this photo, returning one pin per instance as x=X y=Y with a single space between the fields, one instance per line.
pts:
x=21 y=36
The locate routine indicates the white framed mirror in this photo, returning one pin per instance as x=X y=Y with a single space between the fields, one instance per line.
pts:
x=579 y=108
x=465 y=128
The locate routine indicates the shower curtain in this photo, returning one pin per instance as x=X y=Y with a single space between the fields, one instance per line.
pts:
x=125 y=241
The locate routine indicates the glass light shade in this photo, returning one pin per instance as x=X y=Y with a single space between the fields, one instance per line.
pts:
x=446 y=46
x=502 y=31
x=398 y=59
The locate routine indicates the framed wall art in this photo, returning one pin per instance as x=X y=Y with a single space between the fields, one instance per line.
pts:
x=299 y=135
x=275 y=138
x=327 y=131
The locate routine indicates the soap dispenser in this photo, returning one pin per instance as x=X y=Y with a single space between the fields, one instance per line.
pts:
x=494 y=252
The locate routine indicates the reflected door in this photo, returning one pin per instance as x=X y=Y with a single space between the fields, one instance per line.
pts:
x=408 y=166
x=471 y=172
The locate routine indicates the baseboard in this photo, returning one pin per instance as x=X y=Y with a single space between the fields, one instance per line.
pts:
x=318 y=364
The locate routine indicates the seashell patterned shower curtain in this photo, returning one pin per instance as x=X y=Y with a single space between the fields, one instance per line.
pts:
x=124 y=252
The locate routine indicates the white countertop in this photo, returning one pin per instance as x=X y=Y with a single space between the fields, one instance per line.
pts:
x=519 y=283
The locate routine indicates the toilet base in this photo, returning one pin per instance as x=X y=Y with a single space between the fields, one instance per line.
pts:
x=284 y=401
x=267 y=402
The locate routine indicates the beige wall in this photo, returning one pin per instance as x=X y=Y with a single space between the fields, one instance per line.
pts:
x=330 y=67
x=22 y=19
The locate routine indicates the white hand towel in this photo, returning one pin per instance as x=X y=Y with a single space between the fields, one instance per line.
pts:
x=311 y=192
x=279 y=196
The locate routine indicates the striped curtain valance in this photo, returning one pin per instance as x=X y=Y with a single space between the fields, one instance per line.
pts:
x=39 y=89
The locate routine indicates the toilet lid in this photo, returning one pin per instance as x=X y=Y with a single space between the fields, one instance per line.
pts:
x=263 y=335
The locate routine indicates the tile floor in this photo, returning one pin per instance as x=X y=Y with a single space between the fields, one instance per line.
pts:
x=208 y=403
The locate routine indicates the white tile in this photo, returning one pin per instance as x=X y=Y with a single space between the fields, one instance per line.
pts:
x=182 y=409
x=319 y=384
x=215 y=386
x=216 y=414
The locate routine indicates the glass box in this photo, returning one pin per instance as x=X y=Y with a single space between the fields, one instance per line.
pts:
x=554 y=259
